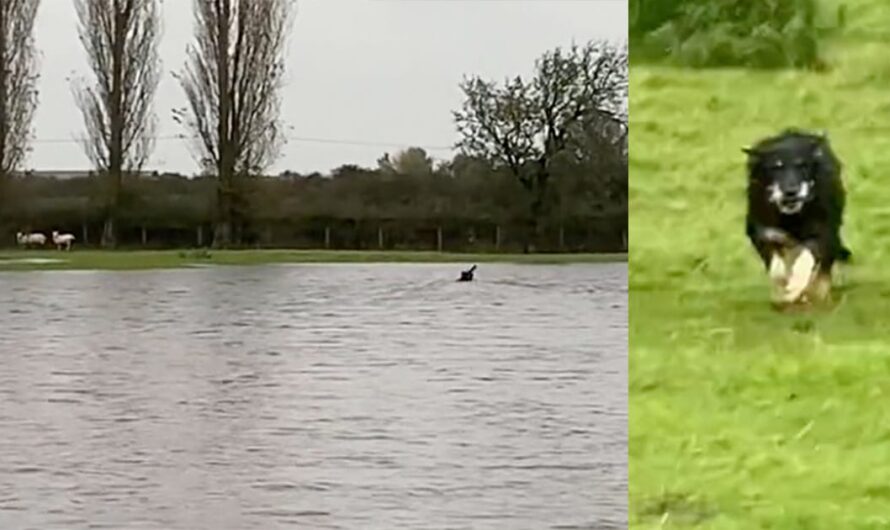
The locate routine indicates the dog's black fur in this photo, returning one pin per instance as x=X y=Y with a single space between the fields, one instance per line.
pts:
x=787 y=161
x=467 y=275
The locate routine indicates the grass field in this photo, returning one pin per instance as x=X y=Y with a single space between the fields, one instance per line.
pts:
x=21 y=260
x=742 y=417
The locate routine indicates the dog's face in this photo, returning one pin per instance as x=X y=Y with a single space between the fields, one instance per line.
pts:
x=787 y=171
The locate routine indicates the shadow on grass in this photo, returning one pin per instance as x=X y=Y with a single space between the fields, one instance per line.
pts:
x=745 y=318
x=677 y=508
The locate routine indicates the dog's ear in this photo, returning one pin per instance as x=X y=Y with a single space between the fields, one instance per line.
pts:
x=819 y=145
x=752 y=152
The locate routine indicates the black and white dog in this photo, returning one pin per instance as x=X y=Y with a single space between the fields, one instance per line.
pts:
x=795 y=210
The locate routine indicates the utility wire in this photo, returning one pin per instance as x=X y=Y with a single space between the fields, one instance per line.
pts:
x=303 y=139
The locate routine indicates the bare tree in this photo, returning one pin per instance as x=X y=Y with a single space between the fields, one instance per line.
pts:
x=18 y=79
x=232 y=81
x=525 y=125
x=120 y=38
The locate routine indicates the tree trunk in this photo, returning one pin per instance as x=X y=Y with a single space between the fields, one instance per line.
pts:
x=327 y=237
x=108 y=232
x=144 y=236
x=497 y=237
x=222 y=234
x=222 y=230
x=200 y=235
x=439 y=238
x=528 y=241
x=4 y=80
x=237 y=230
x=562 y=237
x=86 y=232
x=116 y=146
x=380 y=237
x=536 y=225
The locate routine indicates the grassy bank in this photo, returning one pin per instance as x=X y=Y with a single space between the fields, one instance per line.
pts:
x=741 y=417
x=165 y=259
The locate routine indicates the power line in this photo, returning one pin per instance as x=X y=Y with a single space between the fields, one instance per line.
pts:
x=304 y=139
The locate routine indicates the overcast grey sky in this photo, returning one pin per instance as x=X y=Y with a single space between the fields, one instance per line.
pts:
x=367 y=71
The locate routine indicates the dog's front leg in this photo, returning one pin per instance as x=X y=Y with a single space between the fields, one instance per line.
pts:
x=820 y=289
x=778 y=275
x=801 y=274
x=775 y=246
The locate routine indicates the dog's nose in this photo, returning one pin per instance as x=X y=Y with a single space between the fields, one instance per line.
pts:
x=791 y=189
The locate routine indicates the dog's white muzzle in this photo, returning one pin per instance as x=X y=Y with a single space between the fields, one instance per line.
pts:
x=790 y=205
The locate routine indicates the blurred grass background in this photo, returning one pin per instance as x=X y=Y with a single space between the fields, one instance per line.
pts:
x=742 y=417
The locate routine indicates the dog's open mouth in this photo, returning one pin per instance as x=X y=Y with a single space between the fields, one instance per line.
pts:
x=790 y=206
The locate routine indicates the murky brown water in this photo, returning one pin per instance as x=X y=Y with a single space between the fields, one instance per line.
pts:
x=346 y=396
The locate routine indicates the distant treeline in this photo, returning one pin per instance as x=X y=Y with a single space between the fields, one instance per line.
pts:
x=407 y=202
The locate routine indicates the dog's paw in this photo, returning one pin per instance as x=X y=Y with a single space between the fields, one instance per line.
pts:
x=820 y=288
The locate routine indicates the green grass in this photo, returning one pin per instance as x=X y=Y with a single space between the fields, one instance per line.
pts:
x=165 y=259
x=742 y=417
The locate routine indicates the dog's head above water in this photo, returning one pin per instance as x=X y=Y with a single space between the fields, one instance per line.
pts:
x=789 y=168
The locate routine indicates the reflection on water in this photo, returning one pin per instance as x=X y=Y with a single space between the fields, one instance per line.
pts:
x=345 y=396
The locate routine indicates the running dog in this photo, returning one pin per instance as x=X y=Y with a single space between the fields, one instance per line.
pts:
x=795 y=210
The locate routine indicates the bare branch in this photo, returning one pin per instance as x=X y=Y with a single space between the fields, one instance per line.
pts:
x=120 y=38
x=18 y=79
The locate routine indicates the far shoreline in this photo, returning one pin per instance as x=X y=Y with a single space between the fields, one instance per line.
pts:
x=90 y=259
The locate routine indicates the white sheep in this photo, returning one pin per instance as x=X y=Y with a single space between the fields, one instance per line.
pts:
x=62 y=240
x=34 y=238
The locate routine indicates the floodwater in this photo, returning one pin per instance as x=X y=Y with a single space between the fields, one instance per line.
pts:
x=314 y=396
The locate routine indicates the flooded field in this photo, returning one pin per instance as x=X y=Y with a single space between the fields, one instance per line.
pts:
x=314 y=396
